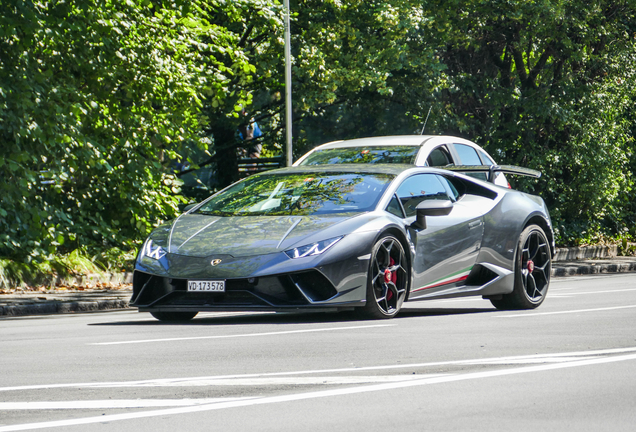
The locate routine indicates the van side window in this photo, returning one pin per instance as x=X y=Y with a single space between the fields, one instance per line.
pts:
x=439 y=157
x=485 y=159
x=469 y=156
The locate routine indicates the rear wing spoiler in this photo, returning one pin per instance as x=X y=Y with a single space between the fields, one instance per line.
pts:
x=493 y=169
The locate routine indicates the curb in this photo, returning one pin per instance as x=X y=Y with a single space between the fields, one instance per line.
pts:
x=58 y=307
x=588 y=252
x=574 y=269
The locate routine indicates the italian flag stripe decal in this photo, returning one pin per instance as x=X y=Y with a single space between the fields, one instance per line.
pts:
x=453 y=278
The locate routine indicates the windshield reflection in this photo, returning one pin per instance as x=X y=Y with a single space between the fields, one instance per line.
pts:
x=299 y=194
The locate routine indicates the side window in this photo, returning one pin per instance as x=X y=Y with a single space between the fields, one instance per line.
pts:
x=469 y=156
x=439 y=157
x=394 y=207
x=485 y=159
x=488 y=161
x=450 y=188
x=418 y=188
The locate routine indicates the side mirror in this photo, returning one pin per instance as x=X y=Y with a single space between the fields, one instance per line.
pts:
x=431 y=208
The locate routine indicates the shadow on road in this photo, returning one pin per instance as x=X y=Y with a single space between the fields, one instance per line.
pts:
x=280 y=318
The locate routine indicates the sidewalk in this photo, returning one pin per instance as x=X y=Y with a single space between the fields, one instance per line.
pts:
x=91 y=300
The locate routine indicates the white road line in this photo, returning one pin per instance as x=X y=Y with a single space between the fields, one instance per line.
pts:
x=317 y=394
x=243 y=335
x=590 y=292
x=530 y=314
x=287 y=381
x=533 y=358
x=559 y=295
x=590 y=277
x=227 y=382
x=111 y=404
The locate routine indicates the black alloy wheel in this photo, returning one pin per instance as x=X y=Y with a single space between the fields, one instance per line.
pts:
x=533 y=265
x=388 y=279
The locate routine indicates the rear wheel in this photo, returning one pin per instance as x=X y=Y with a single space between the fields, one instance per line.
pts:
x=174 y=316
x=533 y=266
x=388 y=279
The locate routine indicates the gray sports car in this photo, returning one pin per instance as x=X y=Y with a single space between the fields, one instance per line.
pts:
x=348 y=237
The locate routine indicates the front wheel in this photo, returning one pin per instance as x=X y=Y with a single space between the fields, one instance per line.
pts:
x=533 y=265
x=174 y=316
x=388 y=279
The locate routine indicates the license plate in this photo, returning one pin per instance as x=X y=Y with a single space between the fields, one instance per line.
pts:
x=206 y=285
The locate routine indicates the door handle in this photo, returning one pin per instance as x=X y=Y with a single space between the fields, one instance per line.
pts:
x=474 y=224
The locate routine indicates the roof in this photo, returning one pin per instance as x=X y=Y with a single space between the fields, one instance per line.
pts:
x=396 y=140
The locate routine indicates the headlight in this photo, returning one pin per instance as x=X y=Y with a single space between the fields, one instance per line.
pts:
x=151 y=251
x=312 y=249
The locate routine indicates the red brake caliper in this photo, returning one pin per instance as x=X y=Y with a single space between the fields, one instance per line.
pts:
x=390 y=277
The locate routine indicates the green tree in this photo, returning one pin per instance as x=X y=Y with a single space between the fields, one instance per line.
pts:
x=95 y=96
x=546 y=84
x=363 y=68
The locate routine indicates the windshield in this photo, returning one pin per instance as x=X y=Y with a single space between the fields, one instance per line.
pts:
x=388 y=154
x=299 y=194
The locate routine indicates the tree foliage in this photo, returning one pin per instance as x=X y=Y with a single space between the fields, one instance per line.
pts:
x=363 y=68
x=549 y=85
x=93 y=94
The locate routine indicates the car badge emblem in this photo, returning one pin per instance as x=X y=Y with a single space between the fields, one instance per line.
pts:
x=215 y=262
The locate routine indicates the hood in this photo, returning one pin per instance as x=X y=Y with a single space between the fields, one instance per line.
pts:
x=200 y=235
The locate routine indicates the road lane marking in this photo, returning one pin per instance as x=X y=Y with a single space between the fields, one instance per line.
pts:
x=245 y=382
x=317 y=394
x=243 y=335
x=560 y=295
x=531 y=359
x=289 y=380
x=530 y=314
x=590 y=277
x=111 y=404
x=591 y=292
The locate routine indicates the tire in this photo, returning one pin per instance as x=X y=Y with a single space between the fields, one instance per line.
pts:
x=387 y=281
x=533 y=265
x=174 y=316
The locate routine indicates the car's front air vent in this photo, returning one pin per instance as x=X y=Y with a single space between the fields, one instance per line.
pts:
x=314 y=285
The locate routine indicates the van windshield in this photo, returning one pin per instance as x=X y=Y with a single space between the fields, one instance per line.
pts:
x=366 y=155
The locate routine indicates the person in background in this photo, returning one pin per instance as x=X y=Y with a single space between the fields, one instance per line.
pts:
x=248 y=133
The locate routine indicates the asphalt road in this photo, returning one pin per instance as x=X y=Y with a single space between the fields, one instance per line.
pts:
x=444 y=365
